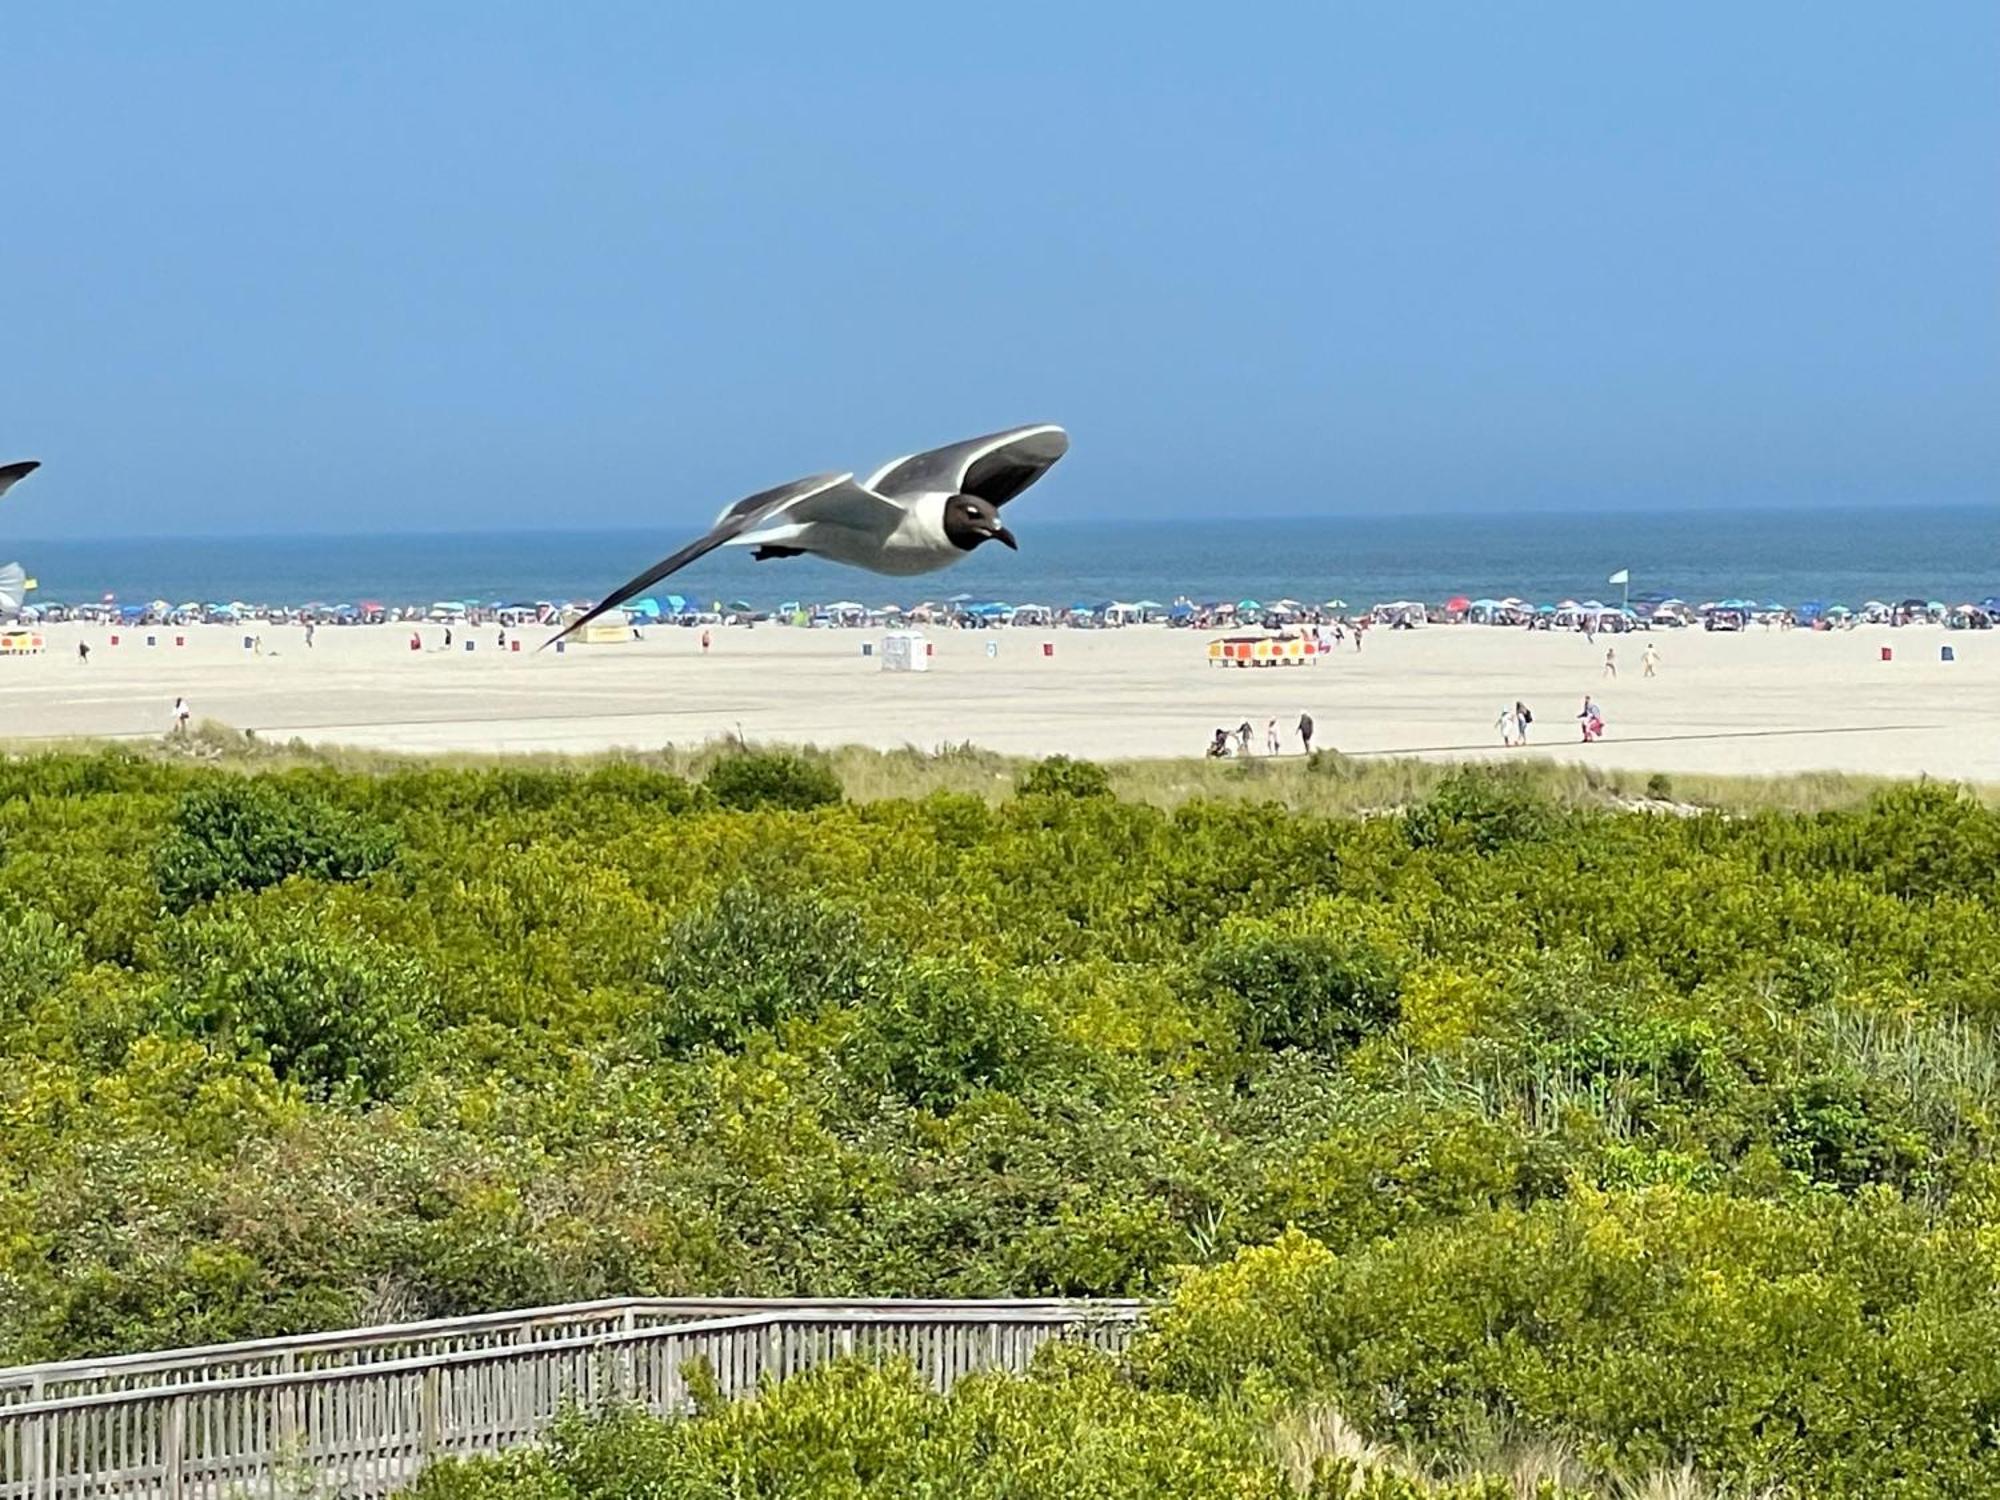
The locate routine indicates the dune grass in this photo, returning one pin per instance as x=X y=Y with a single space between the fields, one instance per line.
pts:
x=1327 y=783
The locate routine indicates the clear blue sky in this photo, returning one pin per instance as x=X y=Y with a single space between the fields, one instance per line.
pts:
x=430 y=266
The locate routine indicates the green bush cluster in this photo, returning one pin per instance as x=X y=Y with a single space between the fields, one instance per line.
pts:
x=1667 y=1139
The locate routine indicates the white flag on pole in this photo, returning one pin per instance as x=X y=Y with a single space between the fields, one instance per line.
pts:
x=1623 y=575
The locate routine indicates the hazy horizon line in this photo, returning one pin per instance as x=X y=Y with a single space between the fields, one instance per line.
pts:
x=1056 y=523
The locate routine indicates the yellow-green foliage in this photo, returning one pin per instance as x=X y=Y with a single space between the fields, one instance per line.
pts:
x=1505 y=1118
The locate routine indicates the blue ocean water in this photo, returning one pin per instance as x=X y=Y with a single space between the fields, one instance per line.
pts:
x=1787 y=556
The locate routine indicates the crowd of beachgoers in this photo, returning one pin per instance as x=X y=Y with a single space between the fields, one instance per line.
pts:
x=1589 y=616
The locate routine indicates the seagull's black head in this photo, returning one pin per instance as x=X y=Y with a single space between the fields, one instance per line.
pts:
x=969 y=520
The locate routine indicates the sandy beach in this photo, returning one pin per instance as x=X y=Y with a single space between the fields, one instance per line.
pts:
x=1761 y=702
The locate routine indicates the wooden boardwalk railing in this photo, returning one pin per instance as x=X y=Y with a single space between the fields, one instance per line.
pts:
x=360 y=1413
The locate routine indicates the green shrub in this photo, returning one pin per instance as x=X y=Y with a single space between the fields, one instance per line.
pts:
x=1482 y=809
x=938 y=1035
x=753 y=958
x=244 y=833
x=774 y=779
x=1059 y=776
x=327 y=1008
x=1312 y=990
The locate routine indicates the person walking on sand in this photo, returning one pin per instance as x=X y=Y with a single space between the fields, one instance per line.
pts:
x=1509 y=725
x=1306 y=732
x=447 y=638
x=1272 y=744
x=1592 y=719
x=1219 y=746
x=1243 y=738
x=1522 y=719
x=1610 y=661
x=182 y=713
x=1649 y=659
x=311 y=631
x=704 y=641
x=83 y=652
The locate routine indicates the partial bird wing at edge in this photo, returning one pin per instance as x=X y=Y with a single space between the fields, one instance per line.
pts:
x=9 y=473
x=996 y=467
x=745 y=515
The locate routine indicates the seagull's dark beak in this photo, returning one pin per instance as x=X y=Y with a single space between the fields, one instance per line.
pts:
x=1002 y=534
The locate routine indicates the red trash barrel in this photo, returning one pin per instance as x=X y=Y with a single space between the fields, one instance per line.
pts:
x=1048 y=648
x=1887 y=654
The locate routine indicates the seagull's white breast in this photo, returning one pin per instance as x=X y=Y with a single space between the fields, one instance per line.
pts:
x=917 y=545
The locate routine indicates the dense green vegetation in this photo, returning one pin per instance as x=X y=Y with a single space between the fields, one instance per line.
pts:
x=1496 y=1119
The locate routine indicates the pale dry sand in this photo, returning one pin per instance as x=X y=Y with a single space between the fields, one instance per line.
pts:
x=1755 y=703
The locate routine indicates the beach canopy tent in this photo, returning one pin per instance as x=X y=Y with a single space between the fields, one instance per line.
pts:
x=1181 y=612
x=649 y=608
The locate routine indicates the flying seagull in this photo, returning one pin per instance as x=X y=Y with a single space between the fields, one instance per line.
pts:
x=915 y=515
x=9 y=473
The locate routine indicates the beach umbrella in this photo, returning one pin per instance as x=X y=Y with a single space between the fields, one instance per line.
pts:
x=1458 y=603
x=1334 y=604
x=1181 y=612
x=741 y=605
x=1147 y=604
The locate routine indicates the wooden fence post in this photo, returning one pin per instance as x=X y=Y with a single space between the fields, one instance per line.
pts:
x=430 y=1415
x=176 y=1445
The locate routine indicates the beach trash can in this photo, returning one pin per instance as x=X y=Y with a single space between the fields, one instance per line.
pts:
x=470 y=644
x=559 y=647
x=152 y=640
x=1888 y=654
x=992 y=648
x=114 y=640
x=180 y=640
x=249 y=643
x=514 y=645
x=1945 y=653
x=1048 y=648
x=867 y=648
x=930 y=648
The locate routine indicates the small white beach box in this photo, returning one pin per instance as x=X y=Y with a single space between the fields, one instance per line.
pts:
x=905 y=651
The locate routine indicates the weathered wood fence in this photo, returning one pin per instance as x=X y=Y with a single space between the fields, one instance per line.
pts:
x=360 y=1412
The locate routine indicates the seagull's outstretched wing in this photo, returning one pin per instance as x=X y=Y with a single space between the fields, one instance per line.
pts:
x=9 y=473
x=774 y=515
x=996 y=467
